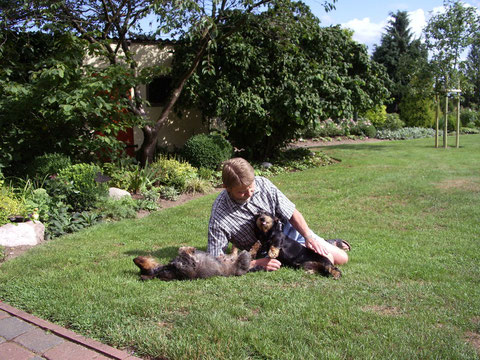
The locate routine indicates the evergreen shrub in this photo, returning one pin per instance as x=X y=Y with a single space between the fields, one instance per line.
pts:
x=48 y=164
x=207 y=151
x=393 y=122
x=469 y=116
x=84 y=190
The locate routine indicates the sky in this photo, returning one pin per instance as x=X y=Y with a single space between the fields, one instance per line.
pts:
x=368 y=18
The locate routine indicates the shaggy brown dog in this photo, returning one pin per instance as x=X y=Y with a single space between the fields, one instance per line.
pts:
x=289 y=252
x=194 y=264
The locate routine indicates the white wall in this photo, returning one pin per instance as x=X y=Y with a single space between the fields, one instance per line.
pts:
x=177 y=130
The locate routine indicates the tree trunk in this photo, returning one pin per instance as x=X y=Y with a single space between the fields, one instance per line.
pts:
x=151 y=132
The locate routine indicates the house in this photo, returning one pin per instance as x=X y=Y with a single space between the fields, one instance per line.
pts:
x=177 y=130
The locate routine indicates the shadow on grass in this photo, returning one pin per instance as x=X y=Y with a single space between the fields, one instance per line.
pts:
x=166 y=252
x=169 y=252
x=371 y=146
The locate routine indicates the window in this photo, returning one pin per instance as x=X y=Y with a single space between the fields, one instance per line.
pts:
x=159 y=90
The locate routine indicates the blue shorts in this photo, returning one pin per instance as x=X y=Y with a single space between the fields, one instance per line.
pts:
x=290 y=231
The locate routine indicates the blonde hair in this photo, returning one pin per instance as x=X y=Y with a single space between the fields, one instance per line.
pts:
x=237 y=172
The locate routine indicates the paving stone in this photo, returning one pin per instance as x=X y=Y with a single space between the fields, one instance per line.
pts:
x=12 y=327
x=4 y=315
x=12 y=351
x=38 y=340
x=72 y=351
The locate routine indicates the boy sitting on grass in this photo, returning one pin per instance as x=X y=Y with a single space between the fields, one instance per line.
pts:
x=245 y=195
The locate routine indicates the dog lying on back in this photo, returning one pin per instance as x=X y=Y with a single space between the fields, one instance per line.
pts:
x=194 y=264
x=289 y=252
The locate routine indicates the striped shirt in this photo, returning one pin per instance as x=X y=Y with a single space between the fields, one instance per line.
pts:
x=234 y=222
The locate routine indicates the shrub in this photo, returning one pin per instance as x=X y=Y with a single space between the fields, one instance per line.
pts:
x=84 y=190
x=377 y=116
x=131 y=177
x=207 y=151
x=362 y=127
x=406 y=133
x=172 y=172
x=117 y=209
x=467 y=130
x=10 y=205
x=197 y=185
x=48 y=164
x=40 y=200
x=468 y=116
x=416 y=111
x=393 y=122
x=169 y=193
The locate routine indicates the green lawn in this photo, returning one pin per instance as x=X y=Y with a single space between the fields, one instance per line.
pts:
x=410 y=291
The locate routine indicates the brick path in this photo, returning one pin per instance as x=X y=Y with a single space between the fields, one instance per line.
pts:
x=26 y=337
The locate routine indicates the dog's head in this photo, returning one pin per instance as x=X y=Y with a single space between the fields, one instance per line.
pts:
x=265 y=222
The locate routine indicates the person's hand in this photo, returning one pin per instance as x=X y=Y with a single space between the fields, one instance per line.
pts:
x=267 y=263
x=319 y=246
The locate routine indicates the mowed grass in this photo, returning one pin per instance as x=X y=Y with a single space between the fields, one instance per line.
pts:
x=411 y=289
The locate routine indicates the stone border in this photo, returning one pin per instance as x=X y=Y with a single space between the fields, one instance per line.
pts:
x=68 y=334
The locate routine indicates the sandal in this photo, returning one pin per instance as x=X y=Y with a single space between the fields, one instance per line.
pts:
x=342 y=244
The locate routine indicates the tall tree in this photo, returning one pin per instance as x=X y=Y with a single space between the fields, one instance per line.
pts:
x=108 y=25
x=281 y=72
x=448 y=35
x=399 y=53
x=472 y=75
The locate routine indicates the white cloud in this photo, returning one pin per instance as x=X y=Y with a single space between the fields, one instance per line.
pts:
x=418 y=21
x=370 y=33
x=365 y=31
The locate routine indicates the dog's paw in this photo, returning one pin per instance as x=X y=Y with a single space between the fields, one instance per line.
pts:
x=190 y=250
x=273 y=252
x=335 y=272
x=243 y=263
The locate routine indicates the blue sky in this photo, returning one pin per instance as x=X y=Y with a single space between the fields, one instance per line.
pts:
x=368 y=18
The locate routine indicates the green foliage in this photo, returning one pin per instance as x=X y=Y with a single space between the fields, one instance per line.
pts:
x=62 y=221
x=84 y=190
x=447 y=35
x=10 y=205
x=393 y=122
x=40 y=200
x=402 y=57
x=129 y=176
x=468 y=130
x=48 y=164
x=207 y=151
x=173 y=172
x=280 y=72
x=377 y=115
x=472 y=75
x=197 y=185
x=296 y=159
x=416 y=111
x=169 y=193
x=344 y=127
x=48 y=93
x=406 y=133
x=469 y=116
x=117 y=209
